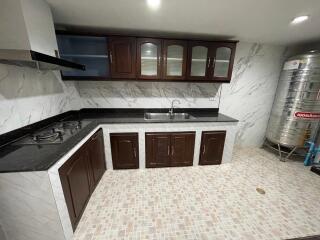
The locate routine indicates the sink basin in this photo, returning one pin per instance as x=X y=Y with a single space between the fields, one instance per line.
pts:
x=166 y=116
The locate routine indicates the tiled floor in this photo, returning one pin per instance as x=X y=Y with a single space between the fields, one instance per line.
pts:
x=208 y=202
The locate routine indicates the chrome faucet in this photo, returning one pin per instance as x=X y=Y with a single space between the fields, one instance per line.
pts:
x=171 y=110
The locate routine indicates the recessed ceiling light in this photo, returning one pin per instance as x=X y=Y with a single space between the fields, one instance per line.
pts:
x=154 y=4
x=299 y=19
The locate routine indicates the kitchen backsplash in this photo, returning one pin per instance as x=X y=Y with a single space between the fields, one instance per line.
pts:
x=27 y=95
x=148 y=94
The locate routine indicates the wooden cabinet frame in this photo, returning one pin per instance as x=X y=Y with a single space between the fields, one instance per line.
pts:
x=166 y=44
x=80 y=175
x=169 y=150
x=135 y=59
x=118 y=60
x=156 y=42
x=118 y=152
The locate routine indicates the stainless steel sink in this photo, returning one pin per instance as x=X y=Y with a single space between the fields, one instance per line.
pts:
x=167 y=116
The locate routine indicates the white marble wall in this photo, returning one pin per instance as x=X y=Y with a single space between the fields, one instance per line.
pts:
x=131 y=94
x=27 y=207
x=250 y=94
x=28 y=95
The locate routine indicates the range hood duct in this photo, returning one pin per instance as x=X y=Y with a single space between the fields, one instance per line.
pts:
x=28 y=37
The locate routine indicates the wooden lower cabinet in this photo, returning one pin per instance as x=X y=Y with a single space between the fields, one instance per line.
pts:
x=212 y=144
x=125 y=150
x=96 y=153
x=80 y=175
x=169 y=149
x=158 y=150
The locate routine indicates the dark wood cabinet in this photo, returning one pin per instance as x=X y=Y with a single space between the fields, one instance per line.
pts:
x=169 y=149
x=89 y=50
x=80 y=175
x=140 y=58
x=76 y=184
x=174 y=59
x=158 y=147
x=149 y=58
x=96 y=154
x=210 y=61
x=125 y=150
x=123 y=57
x=198 y=65
x=212 y=144
x=182 y=148
x=222 y=58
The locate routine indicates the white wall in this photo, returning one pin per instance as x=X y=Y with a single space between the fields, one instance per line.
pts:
x=249 y=96
x=27 y=95
x=132 y=94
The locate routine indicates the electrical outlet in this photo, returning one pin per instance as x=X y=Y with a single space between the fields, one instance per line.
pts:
x=211 y=98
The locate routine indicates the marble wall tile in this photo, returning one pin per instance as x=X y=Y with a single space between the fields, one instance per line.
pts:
x=129 y=94
x=27 y=207
x=250 y=94
x=28 y=95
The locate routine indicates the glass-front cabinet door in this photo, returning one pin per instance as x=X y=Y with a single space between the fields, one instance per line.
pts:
x=149 y=58
x=198 y=61
x=174 y=59
x=223 y=55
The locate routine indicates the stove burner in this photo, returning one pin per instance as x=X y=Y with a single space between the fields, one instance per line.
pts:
x=46 y=136
x=71 y=124
x=56 y=133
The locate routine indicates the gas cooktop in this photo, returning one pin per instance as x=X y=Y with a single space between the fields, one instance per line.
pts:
x=56 y=133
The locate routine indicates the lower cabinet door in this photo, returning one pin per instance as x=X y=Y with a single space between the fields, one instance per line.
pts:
x=158 y=150
x=97 y=156
x=212 y=144
x=182 y=149
x=169 y=149
x=74 y=176
x=125 y=150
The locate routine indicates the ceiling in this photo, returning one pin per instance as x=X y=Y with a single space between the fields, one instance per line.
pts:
x=265 y=21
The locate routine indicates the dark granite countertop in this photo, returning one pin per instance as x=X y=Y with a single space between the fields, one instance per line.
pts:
x=22 y=158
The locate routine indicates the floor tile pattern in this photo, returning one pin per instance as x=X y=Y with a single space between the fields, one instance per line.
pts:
x=206 y=202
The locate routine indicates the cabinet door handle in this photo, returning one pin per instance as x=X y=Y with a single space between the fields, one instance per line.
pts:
x=204 y=149
x=208 y=60
x=168 y=150
x=135 y=152
x=110 y=57
x=172 y=150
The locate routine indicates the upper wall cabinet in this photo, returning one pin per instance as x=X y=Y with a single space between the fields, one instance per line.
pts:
x=222 y=61
x=123 y=57
x=174 y=59
x=149 y=60
x=210 y=61
x=91 y=51
x=198 y=60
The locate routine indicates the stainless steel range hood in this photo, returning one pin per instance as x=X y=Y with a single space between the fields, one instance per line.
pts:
x=27 y=36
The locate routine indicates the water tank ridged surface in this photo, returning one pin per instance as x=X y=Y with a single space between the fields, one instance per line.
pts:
x=296 y=107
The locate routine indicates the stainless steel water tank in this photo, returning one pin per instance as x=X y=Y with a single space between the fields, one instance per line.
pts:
x=296 y=108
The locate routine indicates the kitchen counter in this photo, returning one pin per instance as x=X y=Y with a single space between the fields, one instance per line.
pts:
x=23 y=158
